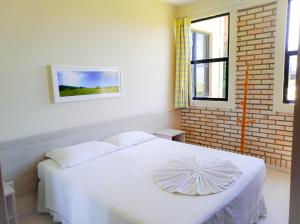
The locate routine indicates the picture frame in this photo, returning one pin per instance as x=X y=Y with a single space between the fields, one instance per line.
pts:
x=74 y=83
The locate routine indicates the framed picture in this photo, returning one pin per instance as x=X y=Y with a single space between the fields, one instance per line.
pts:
x=85 y=83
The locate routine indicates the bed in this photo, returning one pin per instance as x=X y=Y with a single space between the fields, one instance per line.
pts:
x=119 y=189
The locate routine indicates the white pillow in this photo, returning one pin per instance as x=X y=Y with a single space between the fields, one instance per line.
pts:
x=78 y=154
x=130 y=138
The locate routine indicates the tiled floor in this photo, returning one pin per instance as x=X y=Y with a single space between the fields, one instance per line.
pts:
x=276 y=191
x=36 y=219
x=277 y=195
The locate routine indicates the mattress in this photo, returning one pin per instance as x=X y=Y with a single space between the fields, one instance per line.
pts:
x=119 y=188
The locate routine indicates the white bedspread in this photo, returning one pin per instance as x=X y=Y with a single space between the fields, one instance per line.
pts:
x=119 y=188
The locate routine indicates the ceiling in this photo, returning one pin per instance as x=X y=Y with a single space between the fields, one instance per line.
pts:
x=179 y=2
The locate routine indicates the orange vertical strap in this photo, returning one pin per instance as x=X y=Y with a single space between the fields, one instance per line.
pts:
x=242 y=148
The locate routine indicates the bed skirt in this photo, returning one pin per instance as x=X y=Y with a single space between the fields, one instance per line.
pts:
x=41 y=206
x=258 y=212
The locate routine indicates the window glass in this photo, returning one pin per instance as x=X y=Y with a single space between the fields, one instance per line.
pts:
x=294 y=24
x=210 y=79
x=200 y=45
x=291 y=91
x=212 y=38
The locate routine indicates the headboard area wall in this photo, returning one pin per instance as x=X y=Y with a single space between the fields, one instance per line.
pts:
x=20 y=157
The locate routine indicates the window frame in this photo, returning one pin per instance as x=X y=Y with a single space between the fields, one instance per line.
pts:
x=212 y=60
x=287 y=55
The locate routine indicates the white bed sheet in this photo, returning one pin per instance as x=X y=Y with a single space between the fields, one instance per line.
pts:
x=119 y=188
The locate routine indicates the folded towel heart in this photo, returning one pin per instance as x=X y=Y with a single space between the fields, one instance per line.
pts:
x=196 y=176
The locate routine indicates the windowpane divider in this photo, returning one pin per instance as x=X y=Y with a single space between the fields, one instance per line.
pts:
x=209 y=60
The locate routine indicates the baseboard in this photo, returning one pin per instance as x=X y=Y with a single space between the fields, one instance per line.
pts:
x=279 y=169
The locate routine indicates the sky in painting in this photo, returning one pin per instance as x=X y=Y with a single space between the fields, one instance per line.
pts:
x=88 y=79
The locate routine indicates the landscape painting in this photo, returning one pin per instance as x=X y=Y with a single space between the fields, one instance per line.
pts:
x=72 y=84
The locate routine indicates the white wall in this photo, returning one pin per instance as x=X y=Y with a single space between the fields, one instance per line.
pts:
x=136 y=35
x=211 y=6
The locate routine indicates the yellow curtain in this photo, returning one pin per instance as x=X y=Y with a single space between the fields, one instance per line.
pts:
x=183 y=63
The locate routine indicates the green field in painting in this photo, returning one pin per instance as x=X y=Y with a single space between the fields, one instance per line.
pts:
x=87 y=91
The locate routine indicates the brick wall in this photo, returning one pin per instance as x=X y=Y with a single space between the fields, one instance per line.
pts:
x=270 y=137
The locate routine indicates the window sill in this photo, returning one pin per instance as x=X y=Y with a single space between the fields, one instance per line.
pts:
x=213 y=104
x=283 y=107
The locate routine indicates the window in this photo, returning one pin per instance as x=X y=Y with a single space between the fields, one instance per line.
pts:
x=291 y=51
x=210 y=47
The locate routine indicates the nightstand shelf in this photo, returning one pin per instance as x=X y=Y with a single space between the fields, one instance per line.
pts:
x=10 y=199
x=171 y=134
